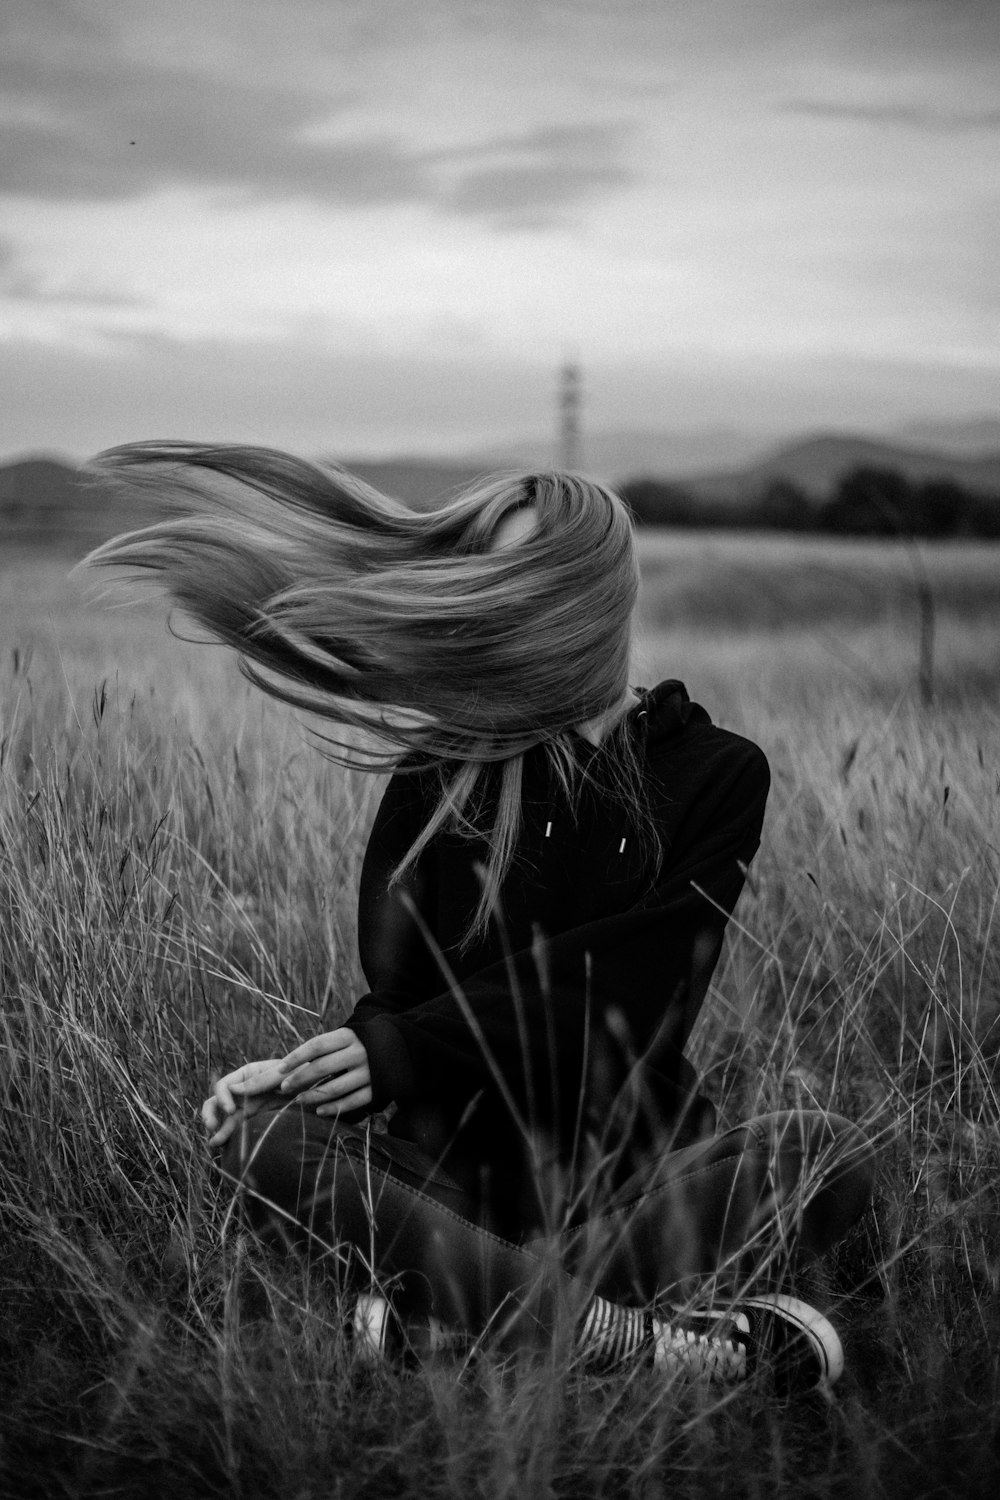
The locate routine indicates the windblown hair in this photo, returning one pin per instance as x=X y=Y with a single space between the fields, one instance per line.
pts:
x=454 y=652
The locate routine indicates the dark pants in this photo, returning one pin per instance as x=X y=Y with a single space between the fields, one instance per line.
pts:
x=729 y=1208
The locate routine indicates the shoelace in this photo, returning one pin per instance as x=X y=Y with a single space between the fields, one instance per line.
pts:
x=700 y=1352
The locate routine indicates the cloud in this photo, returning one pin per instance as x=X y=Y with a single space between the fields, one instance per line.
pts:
x=112 y=129
x=22 y=282
x=935 y=119
x=531 y=192
x=526 y=180
x=90 y=123
x=578 y=142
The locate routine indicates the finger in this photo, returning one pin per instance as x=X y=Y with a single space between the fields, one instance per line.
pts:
x=224 y=1131
x=336 y=1088
x=326 y=1066
x=360 y=1099
x=223 y=1094
x=254 y=1089
x=262 y=1082
x=317 y=1046
x=210 y=1113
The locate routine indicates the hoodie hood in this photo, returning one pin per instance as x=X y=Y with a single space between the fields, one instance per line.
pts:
x=663 y=712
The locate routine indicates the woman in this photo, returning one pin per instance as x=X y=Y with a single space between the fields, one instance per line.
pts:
x=542 y=904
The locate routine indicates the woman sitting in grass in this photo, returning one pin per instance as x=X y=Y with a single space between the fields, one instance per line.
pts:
x=542 y=904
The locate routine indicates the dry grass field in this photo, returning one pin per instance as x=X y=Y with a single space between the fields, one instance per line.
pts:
x=177 y=877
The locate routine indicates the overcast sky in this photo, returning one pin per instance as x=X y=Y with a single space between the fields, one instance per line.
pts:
x=365 y=225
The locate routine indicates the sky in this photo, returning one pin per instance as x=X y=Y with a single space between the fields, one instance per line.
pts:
x=372 y=226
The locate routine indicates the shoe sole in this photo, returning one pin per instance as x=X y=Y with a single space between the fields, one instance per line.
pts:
x=817 y=1331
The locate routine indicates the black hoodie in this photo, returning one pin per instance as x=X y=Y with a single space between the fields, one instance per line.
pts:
x=564 y=1024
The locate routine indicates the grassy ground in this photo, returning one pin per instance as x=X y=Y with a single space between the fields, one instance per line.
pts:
x=177 y=876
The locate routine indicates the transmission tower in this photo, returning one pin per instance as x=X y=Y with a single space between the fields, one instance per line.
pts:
x=569 y=416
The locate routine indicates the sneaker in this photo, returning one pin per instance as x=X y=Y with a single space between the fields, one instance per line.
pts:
x=379 y=1334
x=375 y=1329
x=778 y=1333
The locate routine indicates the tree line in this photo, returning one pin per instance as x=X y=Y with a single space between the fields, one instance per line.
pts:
x=866 y=501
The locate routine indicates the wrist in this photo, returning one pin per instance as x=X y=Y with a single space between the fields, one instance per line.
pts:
x=389 y=1065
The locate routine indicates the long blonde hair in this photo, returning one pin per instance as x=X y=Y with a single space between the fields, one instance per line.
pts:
x=414 y=626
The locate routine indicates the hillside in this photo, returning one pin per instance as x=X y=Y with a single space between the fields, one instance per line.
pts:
x=816 y=464
x=38 y=497
x=46 y=503
x=615 y=454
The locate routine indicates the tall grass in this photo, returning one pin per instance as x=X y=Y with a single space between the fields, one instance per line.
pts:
x=177 y=882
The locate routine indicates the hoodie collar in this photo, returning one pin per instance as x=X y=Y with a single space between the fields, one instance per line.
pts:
x=662 y=711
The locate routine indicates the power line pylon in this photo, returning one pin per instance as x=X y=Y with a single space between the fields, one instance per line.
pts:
x=569 y=416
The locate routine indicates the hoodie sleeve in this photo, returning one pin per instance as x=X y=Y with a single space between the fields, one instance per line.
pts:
x=533 y=1025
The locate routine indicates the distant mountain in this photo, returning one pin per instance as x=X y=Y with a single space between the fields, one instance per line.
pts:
x=611 y=455
x=42 y=501
x=46 y=502
x=34 y=490
x=727 y=463
x=816 y=464
x=617 y=454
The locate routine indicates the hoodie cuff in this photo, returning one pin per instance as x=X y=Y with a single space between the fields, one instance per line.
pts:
x=389 y=1061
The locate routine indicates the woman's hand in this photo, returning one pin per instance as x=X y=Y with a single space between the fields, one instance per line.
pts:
x=329 y=1072
x=246 y=1090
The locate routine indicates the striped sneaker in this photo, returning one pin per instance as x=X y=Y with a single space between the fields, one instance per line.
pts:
x=775 y=1333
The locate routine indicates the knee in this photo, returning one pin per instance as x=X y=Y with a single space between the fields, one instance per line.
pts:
x=839 y=1179
x=813 y=1133
x=825 y=1152
x=286 y=1153
x=852 y=1161
x=836 y=1146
